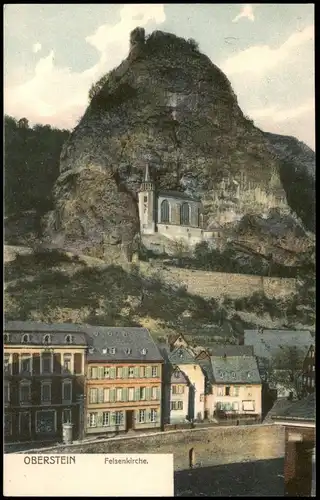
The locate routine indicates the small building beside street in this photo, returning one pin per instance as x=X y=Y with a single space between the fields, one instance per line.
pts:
x=299 y=468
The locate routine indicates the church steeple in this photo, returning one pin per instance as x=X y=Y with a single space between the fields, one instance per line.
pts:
x=147 y=184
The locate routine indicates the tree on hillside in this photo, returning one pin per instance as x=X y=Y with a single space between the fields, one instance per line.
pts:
x=285 y=368
x=32 y=157
x=96 y=87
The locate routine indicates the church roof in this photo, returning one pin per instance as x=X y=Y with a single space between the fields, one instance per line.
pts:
x=177 y=194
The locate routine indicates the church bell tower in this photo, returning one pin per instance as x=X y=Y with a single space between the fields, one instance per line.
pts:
x=147 y=204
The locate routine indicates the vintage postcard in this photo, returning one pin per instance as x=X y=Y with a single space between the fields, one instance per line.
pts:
x=159 y=253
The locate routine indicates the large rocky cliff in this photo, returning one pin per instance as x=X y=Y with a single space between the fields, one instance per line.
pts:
x=167 y=105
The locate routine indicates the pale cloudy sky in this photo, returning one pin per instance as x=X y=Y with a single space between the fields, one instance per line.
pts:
x=53 y=53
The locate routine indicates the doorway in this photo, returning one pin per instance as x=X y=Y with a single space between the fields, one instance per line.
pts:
x=129 y=420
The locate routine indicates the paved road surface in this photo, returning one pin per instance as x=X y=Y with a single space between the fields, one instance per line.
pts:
x=260 y=478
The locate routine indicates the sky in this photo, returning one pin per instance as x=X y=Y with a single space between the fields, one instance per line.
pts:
x=53 y=53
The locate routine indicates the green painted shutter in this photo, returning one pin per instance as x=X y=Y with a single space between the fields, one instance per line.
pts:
x=112 y=373
x=148 y=393
x=119 y=372
x=125 y=394
x=136 y=371
x=112 y=395
x=137 y=394
x=148 y=416
x=125 y=372
x=148 y=372
x=100 y=395
x=88 y=419
x=113 y=417
x=99 y=419
x=101 y=372
x=121 y=416
x=158 y=393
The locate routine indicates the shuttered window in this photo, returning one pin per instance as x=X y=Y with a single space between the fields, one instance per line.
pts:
x=101 y=371
x=154 y=393
x=142 y=394
x=154 y=371
x=153 y=415
x=125 y=372
x=131 y=393
x=119 y=394
x=112 y=373
x=106 y=395
x=125 y=394
x=93 y=395
x=142 y=371
x=112 y=395
x=148 y=371
x=119 y=372
x=131 y=371
x=94 y=372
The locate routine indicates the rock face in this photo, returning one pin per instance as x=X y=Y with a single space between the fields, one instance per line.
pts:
x=168 y=105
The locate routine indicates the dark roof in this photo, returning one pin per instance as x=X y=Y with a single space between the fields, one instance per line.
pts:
x=182 y=356
x=179 y=377
x=206 y=366
x=235 y=370
x=304 y=409
x=267 y=342
x=129 y=344
x=279 y=405
x=37 y=331
x=177 y=194
x=232 y=350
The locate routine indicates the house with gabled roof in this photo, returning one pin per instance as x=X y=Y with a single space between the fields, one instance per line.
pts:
x=280 y=355
x=233 y=386
x=191 y=401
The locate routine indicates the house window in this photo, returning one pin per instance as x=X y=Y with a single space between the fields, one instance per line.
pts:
x=177 y=389
x=165 y=211
x=24 y=423
x=227 y=391
x=112 y=350
x=248 y=405
x=92 y=420
x=312 y=382
x=154 y=391
x=236 y=390
x=131 y=393
x=25 y=364
x=67 y=391
x=119 y=372
x=142 y=393
x=25 y=338
x=6 y=392
x=94 y=372
x=185 y=214
x=7 y=424
x=220 y=391
x=154 y=371
x=249 y=389
x=25 y=392
x=66 y=416
x=67 y=363
x=106 y=395
x=47 y=339
x=93 y=395
x=106 y=418
x=142 y=416
x=118 y=416
x=313 y=368
x=142 y=371
x=131 y=371
x=153 y=415
x=235 y=406
x=7 y=364
x=46 y=392
x=176 y=405
x=119 y=395
x=46 y=422
x=68 y=339
x=107 y=372
x=46 y=362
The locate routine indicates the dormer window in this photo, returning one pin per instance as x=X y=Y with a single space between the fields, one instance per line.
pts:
x=112 y=350
x=128 y=350
x=91 y=350
x=233 y=374
x=69 y=339
x=125 y=334
x=221 y=374
x=143 y=351
x=6 y=338
x=249 y=375
x=105 y=351
x=47 y=339
x=25 y=338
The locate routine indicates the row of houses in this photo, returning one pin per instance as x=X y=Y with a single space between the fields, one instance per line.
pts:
x=107 y=380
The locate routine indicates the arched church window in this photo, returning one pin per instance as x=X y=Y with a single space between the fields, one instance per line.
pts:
x=185 y=214
x=165 y=211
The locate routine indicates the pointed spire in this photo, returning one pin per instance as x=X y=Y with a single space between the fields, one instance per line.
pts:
x=147 y=174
